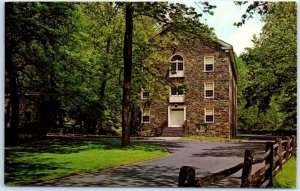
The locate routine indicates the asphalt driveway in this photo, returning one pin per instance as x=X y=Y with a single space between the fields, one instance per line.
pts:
x=206 y=157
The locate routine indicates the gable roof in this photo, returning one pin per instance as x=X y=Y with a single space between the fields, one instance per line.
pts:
x=228 y=48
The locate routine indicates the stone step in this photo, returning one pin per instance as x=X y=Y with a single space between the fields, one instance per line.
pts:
x=172 y=135
x=173 y=132
x=173 y=129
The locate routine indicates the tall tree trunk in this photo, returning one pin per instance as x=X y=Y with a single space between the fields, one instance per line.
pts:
x=127 y=56
x=14 y=99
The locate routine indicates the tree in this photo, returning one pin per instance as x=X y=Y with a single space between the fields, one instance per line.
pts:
x=272 y=65
x=94 y=98
x=260 y=7
x=171 y=18
x=32 y=30
x=127 y=54
x=73 y=51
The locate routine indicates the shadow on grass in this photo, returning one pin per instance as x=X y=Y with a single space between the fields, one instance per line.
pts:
x=74 y=145
x=22 y=163
x=17 y=172
x=64 y=145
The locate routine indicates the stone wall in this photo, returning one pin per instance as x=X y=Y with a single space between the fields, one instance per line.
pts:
x=28 y=110
x=194 y=80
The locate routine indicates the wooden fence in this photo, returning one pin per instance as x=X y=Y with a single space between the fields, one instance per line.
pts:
x=276 y=154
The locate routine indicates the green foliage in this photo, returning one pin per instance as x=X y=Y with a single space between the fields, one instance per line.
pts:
x=72 y=52
x=50 y=159
x=260 y=7
x=287 y=178
x=32 y=38
x=268 y=80
x=92 y=85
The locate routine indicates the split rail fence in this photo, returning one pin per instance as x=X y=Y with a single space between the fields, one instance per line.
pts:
x=276 y=154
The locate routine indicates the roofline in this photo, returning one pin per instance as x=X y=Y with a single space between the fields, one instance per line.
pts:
x=225 y=46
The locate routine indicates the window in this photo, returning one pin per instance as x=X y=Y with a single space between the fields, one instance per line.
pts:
x=177 y=90
x=209 y=90
x=146 y=115
x=180 y=90
x=173 y=90
x=177 y=66
x=208 y=63
x=180 y=66
x=209 y=115
x=145 y=94
x=201 y=128
x=173 y=67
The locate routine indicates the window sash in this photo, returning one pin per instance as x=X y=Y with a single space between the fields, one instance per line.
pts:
x=209 y=93
x=179 y=90
x=146 y=115
x=209 y=111
x=180 y=66
x=173 y=67
x=173 y=91
x=145 y=95
x=209 y=86
x=146 y=112
x=209 y=118
x=146 y=118
x=209 y=67
x=209 y=63
x=208 y=90
x=177 y=66
x=209 y=115
x=208 y=59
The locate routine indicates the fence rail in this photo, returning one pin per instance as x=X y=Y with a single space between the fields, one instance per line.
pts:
x=276 y=154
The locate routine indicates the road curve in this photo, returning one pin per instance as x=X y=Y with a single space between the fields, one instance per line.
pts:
x=206 y=157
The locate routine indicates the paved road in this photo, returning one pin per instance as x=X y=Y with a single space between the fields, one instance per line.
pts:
x=207 y=157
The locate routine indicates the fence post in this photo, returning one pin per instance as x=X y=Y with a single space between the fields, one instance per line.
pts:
x=287 y=149
x=269 y=160
x=187 y=176
x=247 y=168
x=279 y=152
x=293 y=144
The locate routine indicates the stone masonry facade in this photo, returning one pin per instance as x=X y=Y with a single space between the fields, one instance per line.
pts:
x=221 y=106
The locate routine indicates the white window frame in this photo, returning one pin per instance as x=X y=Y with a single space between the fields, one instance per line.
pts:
x=146 y=115
x=177 y=74
x=205 y=63
x=213 y=89
x=213 y=114
x=142 y=95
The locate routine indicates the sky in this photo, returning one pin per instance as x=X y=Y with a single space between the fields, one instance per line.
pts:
x=222 y=21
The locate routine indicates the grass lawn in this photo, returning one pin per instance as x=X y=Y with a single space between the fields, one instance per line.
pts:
x=286 y=178
x=209 y=139
x=53 y=158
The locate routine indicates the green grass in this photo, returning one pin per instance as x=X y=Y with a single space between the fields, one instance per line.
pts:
x=286 y=178
x=209 y=139
x=49 y=159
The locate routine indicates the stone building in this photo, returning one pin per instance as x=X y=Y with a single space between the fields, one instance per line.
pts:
x=201 y=98
x=35 y=109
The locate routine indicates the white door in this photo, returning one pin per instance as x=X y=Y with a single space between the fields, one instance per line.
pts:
x=177 y=117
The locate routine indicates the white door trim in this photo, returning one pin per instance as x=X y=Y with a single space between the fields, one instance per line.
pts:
x=169 y=114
